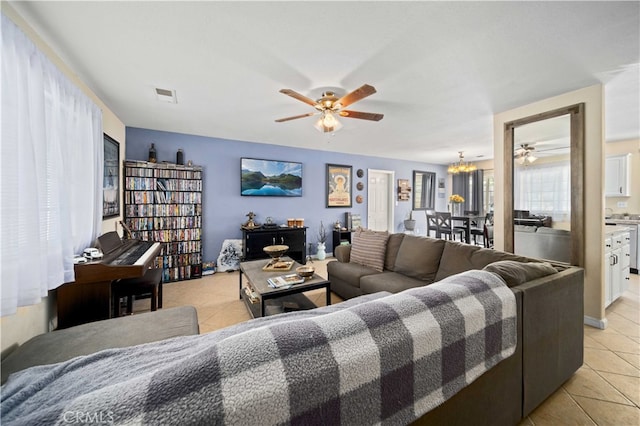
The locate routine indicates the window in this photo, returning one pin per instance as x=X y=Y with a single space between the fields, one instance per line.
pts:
x=544 y=189
x=488 y=191
x=51 y=173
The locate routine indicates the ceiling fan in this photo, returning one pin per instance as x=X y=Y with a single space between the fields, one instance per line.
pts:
x=524 y=155
x=329 y=106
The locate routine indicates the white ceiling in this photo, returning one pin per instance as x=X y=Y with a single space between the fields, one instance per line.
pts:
x=441 y=69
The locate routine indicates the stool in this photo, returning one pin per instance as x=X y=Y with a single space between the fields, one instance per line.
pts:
x=150 y=283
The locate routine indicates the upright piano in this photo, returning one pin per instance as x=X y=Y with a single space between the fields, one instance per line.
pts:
x=88 y=298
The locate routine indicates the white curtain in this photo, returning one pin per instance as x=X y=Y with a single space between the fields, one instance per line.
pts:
x=50 y=173
x=544 y=190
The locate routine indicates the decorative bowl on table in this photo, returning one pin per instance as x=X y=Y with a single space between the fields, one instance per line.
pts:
x=305 y=271
x=275 y=251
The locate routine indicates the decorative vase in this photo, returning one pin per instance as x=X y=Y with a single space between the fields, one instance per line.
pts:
x=153 y=158
x=321 y=252
x=457 y=209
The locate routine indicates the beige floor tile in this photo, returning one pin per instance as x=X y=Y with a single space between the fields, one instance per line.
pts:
x=617 y=342
x=627 y=311
x=608 y=413
x=602 y=360
x=590 y=342
x=629 y=386
x=622 y=325
x=559 y=409
x=633 y=359
x=588 y=383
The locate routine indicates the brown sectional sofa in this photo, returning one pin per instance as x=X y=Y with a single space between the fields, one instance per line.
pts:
x=550 y=327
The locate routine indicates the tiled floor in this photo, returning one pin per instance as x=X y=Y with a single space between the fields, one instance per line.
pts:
x=605 y=391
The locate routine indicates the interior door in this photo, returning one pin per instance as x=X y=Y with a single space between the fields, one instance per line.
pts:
x=380 y=205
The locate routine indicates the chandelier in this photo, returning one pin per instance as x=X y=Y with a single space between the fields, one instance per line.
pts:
x=461 y=166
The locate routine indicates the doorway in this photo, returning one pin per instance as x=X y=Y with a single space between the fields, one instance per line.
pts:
x=380 y=207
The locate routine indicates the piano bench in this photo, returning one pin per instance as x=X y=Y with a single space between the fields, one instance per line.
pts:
x=86 y=339
x=150 y=283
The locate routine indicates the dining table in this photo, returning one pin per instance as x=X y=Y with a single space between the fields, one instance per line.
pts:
x=466 y=220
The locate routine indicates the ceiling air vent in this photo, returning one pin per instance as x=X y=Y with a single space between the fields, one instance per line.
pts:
x=166 y=95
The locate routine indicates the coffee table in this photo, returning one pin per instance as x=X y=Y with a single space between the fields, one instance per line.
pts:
x=289 y=298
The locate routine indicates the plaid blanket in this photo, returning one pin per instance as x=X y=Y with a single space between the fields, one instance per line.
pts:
x=388 y=360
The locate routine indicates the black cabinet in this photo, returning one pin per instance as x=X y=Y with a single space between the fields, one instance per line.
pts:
x=339 y=237
x=253 y=241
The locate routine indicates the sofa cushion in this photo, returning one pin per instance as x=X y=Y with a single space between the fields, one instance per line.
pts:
x=458 y=257
x=349 y=273
x=393 y=245
x=388 y=281
x=62 y=345
x=515 y=273
x=419 y=257
x=368 y=248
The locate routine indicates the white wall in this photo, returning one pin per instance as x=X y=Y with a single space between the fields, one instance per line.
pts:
x=32 y=320
x=593 y=97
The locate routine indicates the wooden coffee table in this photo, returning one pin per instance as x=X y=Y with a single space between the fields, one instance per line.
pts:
x=282 y=299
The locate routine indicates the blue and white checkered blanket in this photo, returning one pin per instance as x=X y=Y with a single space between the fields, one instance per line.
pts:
x=389 y=361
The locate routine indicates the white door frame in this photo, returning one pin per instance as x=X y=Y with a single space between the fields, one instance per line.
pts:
x=390 y=198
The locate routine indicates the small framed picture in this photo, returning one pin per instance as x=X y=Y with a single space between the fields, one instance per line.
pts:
x=339 y=184
x=111 y=178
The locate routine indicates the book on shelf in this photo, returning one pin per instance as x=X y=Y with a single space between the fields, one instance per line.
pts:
x=285 y=280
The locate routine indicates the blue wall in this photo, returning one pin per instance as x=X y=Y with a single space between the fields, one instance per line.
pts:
x=224 y=209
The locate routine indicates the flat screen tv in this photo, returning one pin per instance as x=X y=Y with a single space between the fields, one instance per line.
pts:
x=270 y=178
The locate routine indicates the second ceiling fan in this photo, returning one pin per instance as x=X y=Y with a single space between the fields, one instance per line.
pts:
x=329 y=106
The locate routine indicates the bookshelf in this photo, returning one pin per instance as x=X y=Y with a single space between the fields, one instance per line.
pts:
x=163 y=203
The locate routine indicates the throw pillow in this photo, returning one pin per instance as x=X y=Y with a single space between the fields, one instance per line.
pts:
x=515 y=273
x=393 y=245
x=368 y=248
x=419 y=257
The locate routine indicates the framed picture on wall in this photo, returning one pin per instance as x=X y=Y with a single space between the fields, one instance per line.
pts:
x=338 y=185
x=111 y=178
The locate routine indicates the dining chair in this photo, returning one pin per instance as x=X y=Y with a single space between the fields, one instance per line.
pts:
x=474 y=228
x=488 y=235
x=432 y=224
x=444 y=224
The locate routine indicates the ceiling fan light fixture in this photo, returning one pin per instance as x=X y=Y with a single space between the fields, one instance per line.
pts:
x=327 y=123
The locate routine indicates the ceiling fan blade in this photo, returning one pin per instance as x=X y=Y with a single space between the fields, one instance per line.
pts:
x=360 y=93
x=280 y=120
x=362 y=115
x=298 y=96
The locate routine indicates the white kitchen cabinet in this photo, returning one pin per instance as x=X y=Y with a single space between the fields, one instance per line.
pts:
x=616 y=264
x=617 y=172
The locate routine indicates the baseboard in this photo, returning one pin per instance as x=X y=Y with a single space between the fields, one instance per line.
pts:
x=601 y=324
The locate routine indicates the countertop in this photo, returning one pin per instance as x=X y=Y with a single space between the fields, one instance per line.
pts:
x=623 y=221
x=611 y=229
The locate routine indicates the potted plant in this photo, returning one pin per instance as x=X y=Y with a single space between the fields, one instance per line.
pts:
x=410 y=224
x=322 y=240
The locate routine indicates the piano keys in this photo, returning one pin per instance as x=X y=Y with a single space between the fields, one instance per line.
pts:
x=88 y=298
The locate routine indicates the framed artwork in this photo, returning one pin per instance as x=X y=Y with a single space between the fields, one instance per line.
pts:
x=111 y=178
x=404 y=190
x=338 y=185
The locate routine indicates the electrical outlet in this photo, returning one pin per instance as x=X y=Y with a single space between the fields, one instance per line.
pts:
x=622 y=204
